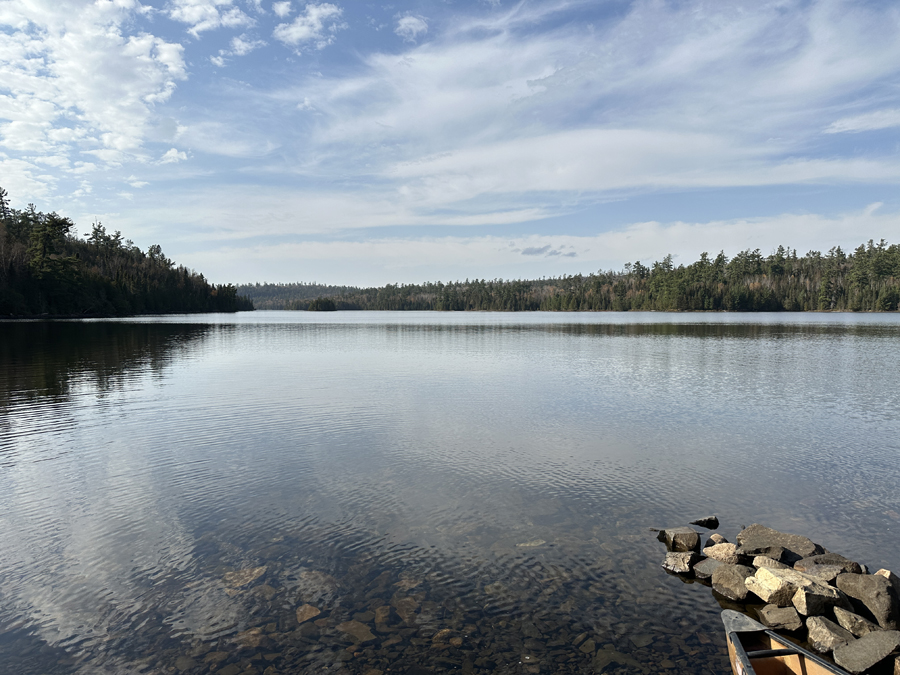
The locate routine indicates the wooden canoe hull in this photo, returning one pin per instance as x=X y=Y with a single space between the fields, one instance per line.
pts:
x=763 y=652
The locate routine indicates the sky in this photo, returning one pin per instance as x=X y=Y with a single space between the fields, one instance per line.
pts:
x=363 y=143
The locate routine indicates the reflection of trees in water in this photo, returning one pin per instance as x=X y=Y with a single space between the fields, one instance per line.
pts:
x=47 y=359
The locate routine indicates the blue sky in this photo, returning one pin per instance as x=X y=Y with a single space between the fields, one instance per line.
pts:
x=376 y=143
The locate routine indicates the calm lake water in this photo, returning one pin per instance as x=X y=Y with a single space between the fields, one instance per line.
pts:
x=452 y=492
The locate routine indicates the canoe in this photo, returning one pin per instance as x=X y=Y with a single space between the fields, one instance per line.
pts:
x=753 y=649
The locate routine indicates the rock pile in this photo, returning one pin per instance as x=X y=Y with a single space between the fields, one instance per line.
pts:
x=793 y=585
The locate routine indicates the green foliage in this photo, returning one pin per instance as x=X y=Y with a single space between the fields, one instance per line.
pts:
x=322 y=305
x=46 y=270
x=866 y=280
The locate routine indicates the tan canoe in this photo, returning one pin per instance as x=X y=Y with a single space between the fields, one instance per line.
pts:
x=753 y=649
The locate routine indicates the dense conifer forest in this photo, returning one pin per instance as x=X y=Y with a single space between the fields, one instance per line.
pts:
x=45 y=269
x=868 y=279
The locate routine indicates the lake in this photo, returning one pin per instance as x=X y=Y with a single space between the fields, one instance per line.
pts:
x=466 y=492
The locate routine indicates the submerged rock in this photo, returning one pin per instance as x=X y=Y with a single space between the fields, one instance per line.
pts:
x=307 y=612
x=244 y=577
x=359 y=632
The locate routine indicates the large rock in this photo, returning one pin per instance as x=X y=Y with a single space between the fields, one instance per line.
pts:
x=826 y=636
x=679 y=539
x=824 y=573
x=766 y=561
x=867 y=651
x=891 y=577
x=776 y=586
x=728 y=580
x=787 y=548
x=818 y=598
x=682 y=562
x=854 y=622
x=704 y=569
x=873 y=593
x=780 y=618
x=726 y=553
x=709 y=522
x=829 y=559
x=785 y=586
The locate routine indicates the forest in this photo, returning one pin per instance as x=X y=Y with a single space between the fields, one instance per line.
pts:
x=47 y=270
x=864 y=280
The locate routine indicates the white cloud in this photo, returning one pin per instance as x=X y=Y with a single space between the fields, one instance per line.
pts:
x=77 y=83
x=172 y=156
x=410 y=27
x=203 y=15
x=225 y=139
x=281 y=9
x=418 y=259
x=317 y=26
x=666 y=96
x=241 y=46
x=880 y=119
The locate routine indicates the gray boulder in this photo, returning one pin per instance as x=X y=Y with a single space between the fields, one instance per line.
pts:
x=728 y=580
x=765 y=561
x=780 y=618
x=829 y=559
x=817 y=598
x=680 y=539
x=874 y=594
x=825 y=636
x=867 y=651
x=854 y=622
x=787 y=548
x=709 y=522
x=824 y=573
x=704 y=569
x=726 y=553
x=681 y=562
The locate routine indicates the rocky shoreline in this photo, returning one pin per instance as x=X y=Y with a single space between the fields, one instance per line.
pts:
x=828 y=603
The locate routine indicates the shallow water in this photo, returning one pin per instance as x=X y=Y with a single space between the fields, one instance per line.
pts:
x=490 y=478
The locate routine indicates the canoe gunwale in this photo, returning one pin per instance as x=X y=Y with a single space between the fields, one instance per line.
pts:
x=788 y=649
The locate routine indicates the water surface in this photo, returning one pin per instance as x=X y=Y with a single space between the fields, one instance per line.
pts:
x=490 y=478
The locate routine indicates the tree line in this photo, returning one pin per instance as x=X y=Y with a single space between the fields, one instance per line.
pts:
x=46 y=269
x=866 y=279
